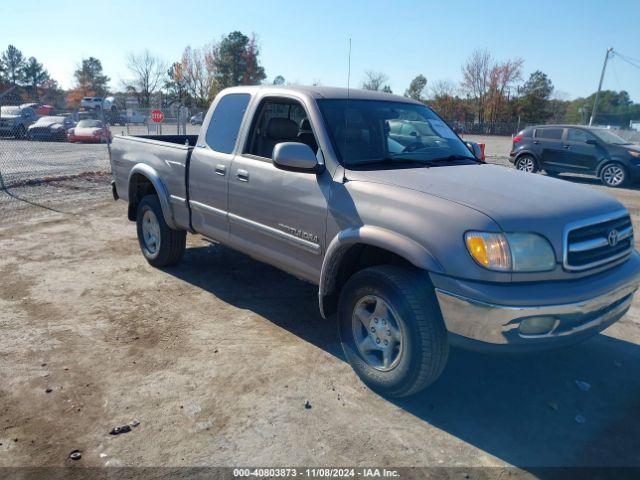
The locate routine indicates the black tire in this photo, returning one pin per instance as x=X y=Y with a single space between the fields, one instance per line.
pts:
x=424 y=349
x=172 y=242
x=527 y=163
x=614 y=174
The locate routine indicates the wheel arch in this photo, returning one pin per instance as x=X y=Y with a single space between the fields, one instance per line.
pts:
x=607 y=161
x=355 y=249
x=144 y=180
x=527 y=152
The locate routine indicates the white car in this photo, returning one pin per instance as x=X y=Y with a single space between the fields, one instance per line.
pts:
x=96 y=103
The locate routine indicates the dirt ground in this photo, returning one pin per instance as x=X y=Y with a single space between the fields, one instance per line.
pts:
x=217 y=357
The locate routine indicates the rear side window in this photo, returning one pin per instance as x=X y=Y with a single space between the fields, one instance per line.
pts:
x=225 y=122
x=549 y=133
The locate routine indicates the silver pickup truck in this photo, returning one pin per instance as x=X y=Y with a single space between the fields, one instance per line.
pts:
x=415 y=244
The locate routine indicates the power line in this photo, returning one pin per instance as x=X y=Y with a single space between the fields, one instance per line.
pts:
x=628 y=60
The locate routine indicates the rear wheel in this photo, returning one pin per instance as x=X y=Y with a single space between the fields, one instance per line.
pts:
x=613 y=175
x=526 y=163
x=161 y=246
x=391 y=330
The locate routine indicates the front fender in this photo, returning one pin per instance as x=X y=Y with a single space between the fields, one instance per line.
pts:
x=163 y=194
x=376 y=237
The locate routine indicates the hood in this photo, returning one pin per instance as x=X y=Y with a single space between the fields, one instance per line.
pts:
x=517 y=201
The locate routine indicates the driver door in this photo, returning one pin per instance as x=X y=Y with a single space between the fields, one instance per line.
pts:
x=275 y=215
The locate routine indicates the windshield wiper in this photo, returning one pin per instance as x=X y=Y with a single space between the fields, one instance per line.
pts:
x=391 y=161
x=451 y=158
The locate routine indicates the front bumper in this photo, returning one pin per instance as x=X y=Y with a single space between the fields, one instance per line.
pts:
x=481 y=323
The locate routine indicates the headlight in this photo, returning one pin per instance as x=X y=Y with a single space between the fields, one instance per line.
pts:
x=511 y=252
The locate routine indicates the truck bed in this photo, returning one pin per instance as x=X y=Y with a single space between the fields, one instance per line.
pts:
x=168 y=155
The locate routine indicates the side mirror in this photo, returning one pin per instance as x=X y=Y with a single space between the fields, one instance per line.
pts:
x=476 y=150
x=591 y=141
x=297 y=157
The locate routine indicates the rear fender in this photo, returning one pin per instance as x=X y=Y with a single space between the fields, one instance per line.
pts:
x=163 y=194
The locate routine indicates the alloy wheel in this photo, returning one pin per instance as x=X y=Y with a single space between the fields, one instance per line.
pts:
x=377 y=332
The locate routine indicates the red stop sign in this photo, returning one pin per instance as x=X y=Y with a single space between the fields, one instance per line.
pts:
x=157 y=116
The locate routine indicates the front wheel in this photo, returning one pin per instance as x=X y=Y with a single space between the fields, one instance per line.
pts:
x=161 y=246
x=391 y=330
x=613 y=175
x=526 y=163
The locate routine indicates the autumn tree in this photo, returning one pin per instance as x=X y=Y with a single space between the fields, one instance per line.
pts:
x=175 y=83
x=147 y=74
x=197 y=70
x=416 y=88
x=488 y=83
x=236 y=61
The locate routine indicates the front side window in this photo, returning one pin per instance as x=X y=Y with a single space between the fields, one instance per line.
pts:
x=549 y=133
x=224 y=126
x=280 y=120
x=576 y=135
x=373 y=132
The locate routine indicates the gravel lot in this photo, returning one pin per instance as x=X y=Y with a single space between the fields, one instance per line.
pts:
x=216 y=358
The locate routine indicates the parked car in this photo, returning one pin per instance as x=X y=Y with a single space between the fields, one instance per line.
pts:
x=40 y=109
x=91 y=103
x=14 y=121
x=50 y=129
x=576 y=149
x=197 y=118
x=89 y=131
x=413 y=249
x=135 y=117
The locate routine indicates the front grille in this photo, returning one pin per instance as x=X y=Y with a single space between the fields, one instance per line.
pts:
x=598 y=241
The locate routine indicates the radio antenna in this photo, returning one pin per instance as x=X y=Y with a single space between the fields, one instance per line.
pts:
x=346 y=111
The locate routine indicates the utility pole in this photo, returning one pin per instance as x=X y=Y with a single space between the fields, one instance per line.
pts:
x=595 y=104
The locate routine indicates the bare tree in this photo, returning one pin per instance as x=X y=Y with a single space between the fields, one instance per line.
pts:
x=148 y=73
x=476 y=77
x=442 y=88
x=375 y=81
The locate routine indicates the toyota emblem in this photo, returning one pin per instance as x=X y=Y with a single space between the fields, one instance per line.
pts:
x=612 y=238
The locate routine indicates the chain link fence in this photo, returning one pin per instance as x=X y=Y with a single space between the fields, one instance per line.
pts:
x=39 y=165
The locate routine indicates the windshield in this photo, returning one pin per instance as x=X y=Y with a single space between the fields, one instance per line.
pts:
x=9 y=110
x=50 y=120
x=89 y=124
x=609 y=137
x=370 y=132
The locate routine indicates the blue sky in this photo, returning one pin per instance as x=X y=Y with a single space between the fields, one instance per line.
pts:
x=308 y=41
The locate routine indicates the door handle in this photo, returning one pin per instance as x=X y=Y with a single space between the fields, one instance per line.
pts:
x=242 y=175
x=567 y=147
x=221 y=170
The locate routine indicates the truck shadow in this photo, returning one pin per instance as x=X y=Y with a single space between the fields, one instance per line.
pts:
x=526 y=410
